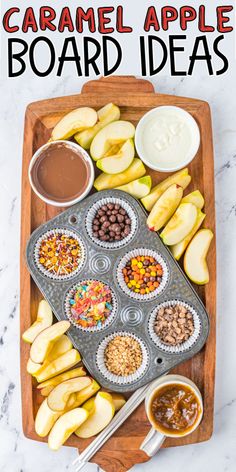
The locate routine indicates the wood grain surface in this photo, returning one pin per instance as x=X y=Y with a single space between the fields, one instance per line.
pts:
x=135 y=97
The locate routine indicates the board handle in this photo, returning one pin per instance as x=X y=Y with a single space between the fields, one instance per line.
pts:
x=118 y=83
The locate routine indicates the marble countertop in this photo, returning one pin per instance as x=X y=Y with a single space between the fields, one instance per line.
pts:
x=18 y=454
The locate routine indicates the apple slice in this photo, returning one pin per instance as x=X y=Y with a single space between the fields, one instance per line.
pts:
x=120 y=162
x=62 y=345
x=47 y=386
x=116 y=132
x=32 y=368
x=59 y=396
x=138 y=188
x=99 y=417
x=134 y=171
x=83 y=395
x=45 y=419
x=179 y=248
x=106 y=115
x=195 y=264
x=194 y=197
x=43 y=321
x=118 y=400
x=65 y=426
x=62 y=363
x=165 y=207
x=180 y=225
x=44 y=341
x=180 y=178
x=77 y=120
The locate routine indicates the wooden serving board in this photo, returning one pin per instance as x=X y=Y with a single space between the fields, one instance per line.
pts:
x=135 y=97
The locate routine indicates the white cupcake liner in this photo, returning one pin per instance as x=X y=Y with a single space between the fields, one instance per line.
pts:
x=48 y=273
x=93 y=329
x=117 y=379
x=142 y=252
x=186 y=345
x=130 y=212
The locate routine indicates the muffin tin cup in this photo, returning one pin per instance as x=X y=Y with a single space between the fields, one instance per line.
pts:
x=186 y=345
x=91 y=215
x=81 y=259
x=117 y=379
x=142 y=252
x=93 y=329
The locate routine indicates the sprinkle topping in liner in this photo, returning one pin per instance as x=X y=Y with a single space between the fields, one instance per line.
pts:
x=123 y=355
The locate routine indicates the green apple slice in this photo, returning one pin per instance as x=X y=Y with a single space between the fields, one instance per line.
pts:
x=99 y=416
x=195 y=264
x=47 y=386
x=62 y=363
x=180 y=225
x=180 y=178
x=77 y=120
x=194 y=197
x=134 y=171
x=45 y=419
x=120 y=162
x=116 y=132
x=164 y=207
x=139 y=188
x=65 y=426
x=43 y=321
x=106 y=115
x=44 y=341
x=59 y=396
x=179 y=248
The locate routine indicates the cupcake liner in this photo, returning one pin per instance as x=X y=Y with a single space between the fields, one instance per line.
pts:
x=92 y=212
x=142 y=252
x=48 y=273
x=186 y=345
x=93 y=329
x=117 y=379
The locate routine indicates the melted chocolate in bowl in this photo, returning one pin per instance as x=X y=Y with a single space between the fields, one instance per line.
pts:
x=60 y=173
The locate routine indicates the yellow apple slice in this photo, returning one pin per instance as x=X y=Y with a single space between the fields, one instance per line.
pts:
x=47 y=386
x=134 y=171
x=195 y=264
x=165 y=207
x=32 y=368
x=77 y=120
x=44 y=320
x=120 y=162
x=194 y=197
x=65 y=426
x=59 y=396
x=62 y=363
x=62 y=345
x=99 y=417
x=44 y=341
x=83 y=395
x=180 y=225
x=45 y=419
x=180 y=178
x=138 y=188
x=118 y=400
x=116 y=132
x=106 y=115
x=179 y=248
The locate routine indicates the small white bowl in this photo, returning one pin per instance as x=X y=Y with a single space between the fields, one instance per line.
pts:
x=86 y=157
x=195 y=138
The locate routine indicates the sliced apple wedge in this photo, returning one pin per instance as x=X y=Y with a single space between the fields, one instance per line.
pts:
x=180 y=225
x=134 y=171
x=195 y=264
x=116 y=132
x=120 y=162
x=45 y=419
x=47 y=386
x=118 y=400
x=106 y=115
x=43 y=321
x=99 y=417
x=83 y=395
x=59 y=396
x=65 y=426
x=62 y=345
x=44 y=341
x=165 y=207
x=138 y=188
x=62 y=363
x=194 y=197
x=179 y=248
x=180 y=178
x=77 y=120
x=32 y=368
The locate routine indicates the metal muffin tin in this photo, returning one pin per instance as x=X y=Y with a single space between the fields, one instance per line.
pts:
x=132 y=316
